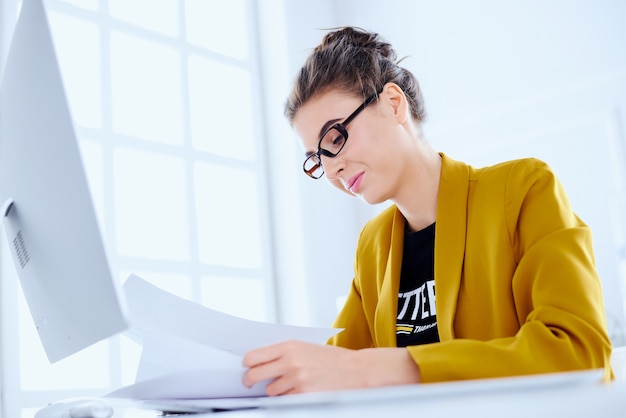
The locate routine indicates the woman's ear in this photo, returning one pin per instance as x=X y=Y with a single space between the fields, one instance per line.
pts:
x=396 y=98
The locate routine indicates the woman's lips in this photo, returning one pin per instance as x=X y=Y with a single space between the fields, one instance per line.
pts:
x=354 y=182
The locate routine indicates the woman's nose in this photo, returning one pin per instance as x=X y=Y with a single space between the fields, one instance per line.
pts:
x=333 y=166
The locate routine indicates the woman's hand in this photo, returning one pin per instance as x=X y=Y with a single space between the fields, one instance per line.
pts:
x=297 y=367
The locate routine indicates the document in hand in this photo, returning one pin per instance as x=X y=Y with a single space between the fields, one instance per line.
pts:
x=193 y=352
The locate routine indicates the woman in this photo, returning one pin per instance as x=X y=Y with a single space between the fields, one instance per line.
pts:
x=510 y=263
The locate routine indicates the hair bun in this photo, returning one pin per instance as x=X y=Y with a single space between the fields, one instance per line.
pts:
x=355 y=37
x=355 y=61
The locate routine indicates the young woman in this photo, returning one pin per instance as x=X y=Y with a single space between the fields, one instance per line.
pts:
x=472 y=273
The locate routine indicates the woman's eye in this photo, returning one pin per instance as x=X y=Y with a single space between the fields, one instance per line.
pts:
x=333 y=140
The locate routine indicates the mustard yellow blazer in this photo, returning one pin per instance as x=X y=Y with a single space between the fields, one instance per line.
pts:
x=517 y=290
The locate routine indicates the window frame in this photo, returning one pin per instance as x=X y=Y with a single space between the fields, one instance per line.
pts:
x=281 y=270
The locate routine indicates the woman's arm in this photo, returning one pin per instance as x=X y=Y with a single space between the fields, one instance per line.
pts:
x=297 y=367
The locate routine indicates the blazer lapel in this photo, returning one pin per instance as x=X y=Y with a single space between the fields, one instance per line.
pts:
x=387 y=309
x=450 y=241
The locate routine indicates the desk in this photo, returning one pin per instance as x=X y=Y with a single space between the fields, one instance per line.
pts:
x=478 y=399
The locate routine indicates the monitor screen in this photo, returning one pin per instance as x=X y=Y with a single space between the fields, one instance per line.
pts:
x=47 y=211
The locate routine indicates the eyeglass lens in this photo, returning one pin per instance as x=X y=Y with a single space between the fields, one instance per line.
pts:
x=313 y=167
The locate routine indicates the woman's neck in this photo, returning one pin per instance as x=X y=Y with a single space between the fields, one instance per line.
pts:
x=417 y=196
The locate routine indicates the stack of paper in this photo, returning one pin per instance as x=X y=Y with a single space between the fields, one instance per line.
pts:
x=193 y=352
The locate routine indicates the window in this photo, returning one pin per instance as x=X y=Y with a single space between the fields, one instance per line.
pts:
x=166 y=106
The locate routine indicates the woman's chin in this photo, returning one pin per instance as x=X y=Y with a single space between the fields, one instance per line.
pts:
x=371 y=200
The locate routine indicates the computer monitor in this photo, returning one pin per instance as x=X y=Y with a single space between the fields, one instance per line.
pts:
x=47 y=211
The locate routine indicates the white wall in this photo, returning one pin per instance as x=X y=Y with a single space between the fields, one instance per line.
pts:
x=330 y=220
x=501 y=80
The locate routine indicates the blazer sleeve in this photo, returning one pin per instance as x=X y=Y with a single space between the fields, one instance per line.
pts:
x=352 y=318
x=356 y=333
x=556 y=292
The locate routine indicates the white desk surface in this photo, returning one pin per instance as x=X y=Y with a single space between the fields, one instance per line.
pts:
x=560 y=396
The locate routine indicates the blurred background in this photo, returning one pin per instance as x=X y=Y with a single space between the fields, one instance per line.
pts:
x=196 y=176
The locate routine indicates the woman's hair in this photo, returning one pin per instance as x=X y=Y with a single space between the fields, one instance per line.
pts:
x=358 y=62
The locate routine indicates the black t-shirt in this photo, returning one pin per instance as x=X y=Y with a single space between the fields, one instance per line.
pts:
x=416 y=322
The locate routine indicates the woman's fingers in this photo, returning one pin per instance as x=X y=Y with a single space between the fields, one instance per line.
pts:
x=264 y=363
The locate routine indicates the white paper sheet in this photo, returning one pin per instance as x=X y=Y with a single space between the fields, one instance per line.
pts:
x=153 y=308
x=193 y=352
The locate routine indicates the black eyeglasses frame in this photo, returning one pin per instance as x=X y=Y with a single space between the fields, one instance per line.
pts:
x=339 y=127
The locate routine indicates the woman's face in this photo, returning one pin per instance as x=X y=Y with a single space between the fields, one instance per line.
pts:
x=370 y=163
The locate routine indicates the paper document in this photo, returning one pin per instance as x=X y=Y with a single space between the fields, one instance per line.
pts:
x=193 y=352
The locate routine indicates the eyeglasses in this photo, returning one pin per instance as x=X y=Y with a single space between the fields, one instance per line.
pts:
x=332 y=142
